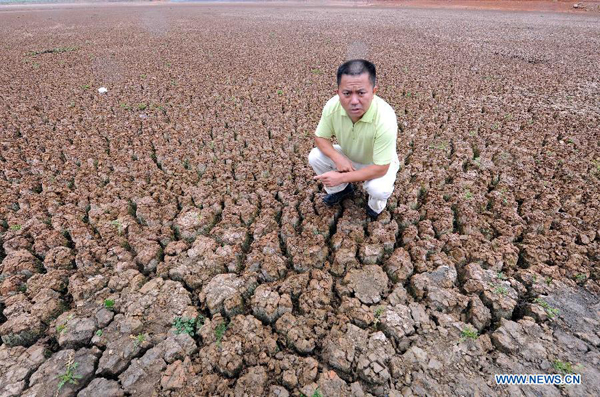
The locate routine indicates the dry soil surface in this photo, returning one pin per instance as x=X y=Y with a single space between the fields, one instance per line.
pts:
x=166 y=237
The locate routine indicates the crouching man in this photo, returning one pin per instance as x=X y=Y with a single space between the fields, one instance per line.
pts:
x=366 y=129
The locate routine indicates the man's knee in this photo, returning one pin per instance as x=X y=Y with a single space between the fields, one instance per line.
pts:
x=379 y=192
x=314 y=156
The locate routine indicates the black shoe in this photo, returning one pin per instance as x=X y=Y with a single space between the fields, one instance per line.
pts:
x=372 y=214
x=334 y=198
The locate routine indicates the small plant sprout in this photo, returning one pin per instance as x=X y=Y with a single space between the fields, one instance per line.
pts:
x=501 y=290
x=468 y=333
x=317 y=393
x=580 y=277
x=117 y=223
x=279 y=92
x=468 y=195
x=548 y=280
x=69 y=375
x=15 y=227
x=99 y=333
x=378 y=312
x=220 y=332
x=550 y=311
x=184 y=325
x=139 y=339
x=566 y=367
x=61 y=328
x=109 y=304
x=501 y=276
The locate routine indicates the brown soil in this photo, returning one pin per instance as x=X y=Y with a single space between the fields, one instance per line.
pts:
x=166 y=237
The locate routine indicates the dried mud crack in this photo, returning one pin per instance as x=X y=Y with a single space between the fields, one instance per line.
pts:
x=166 y=237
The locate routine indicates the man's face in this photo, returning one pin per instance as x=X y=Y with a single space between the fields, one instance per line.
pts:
x=356 y=94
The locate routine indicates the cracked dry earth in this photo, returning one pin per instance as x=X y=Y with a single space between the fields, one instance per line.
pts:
x=166 y=238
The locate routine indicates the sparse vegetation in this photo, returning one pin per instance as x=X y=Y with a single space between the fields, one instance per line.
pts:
x=109 y=304
x=551 y=312
x=185 y=325
x=69 y=376
x=220 y=332
x=468 y=333
x=565 y=367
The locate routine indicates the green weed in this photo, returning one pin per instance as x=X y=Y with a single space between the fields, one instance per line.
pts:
x=566 y=367
x=69 y=375
x=550 y=311
x=109 y=304
x=184 y=325
x=15 y=227
x=220 y=332
x=468 y=333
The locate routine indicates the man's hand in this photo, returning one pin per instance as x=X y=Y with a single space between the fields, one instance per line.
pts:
x=343 y=164
x=330 y=179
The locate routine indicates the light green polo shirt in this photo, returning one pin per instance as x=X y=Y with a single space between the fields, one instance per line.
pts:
x=372 y=140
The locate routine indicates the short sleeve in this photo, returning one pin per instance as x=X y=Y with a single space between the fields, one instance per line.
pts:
x=384 y=147
x=325 y=126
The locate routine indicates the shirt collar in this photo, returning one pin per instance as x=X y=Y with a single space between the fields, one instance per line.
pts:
x=368 y=116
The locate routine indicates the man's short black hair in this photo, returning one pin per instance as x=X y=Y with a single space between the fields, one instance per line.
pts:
x=356 y=67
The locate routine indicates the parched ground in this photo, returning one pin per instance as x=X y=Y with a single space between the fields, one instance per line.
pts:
x=166 y=237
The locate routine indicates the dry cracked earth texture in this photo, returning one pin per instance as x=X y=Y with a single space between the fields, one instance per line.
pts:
x=166 y=237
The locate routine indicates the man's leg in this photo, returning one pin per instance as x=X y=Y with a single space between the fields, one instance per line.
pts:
x=322 y=164
x=380 y=189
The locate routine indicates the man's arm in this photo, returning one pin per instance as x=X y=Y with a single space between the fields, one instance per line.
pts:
x=342 y=163
x=334 y=178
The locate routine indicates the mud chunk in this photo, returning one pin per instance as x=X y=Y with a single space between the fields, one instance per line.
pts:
x=21 y=330
x=501 y=298
x=228 y=347
x=82 y=287
x=148 y=255
x=522 y=338
x=176 y=374
x=177 y=347
x=158 y=302
x=16 y=364
x=297 y=331
x=371 y=254
x=445 y=300
x=420 y=316
x=252 y=383
x=104 y=317
x=399 y=265
x=341 y=349
x=47 y=305
x=316 y=298
x=297 y=371
x=120 y=350
x=44 y=382
x=102 y=387
x=330 y=384
x=144 y=373
x=268 y=305
x=189 y=223
x=372 y=364
x=367 y=284
x=361 y=315
x=20 y=262
x=479 y=315
x=76 y=332
x=397 y=322
x=59 y=258
x=224 y=293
